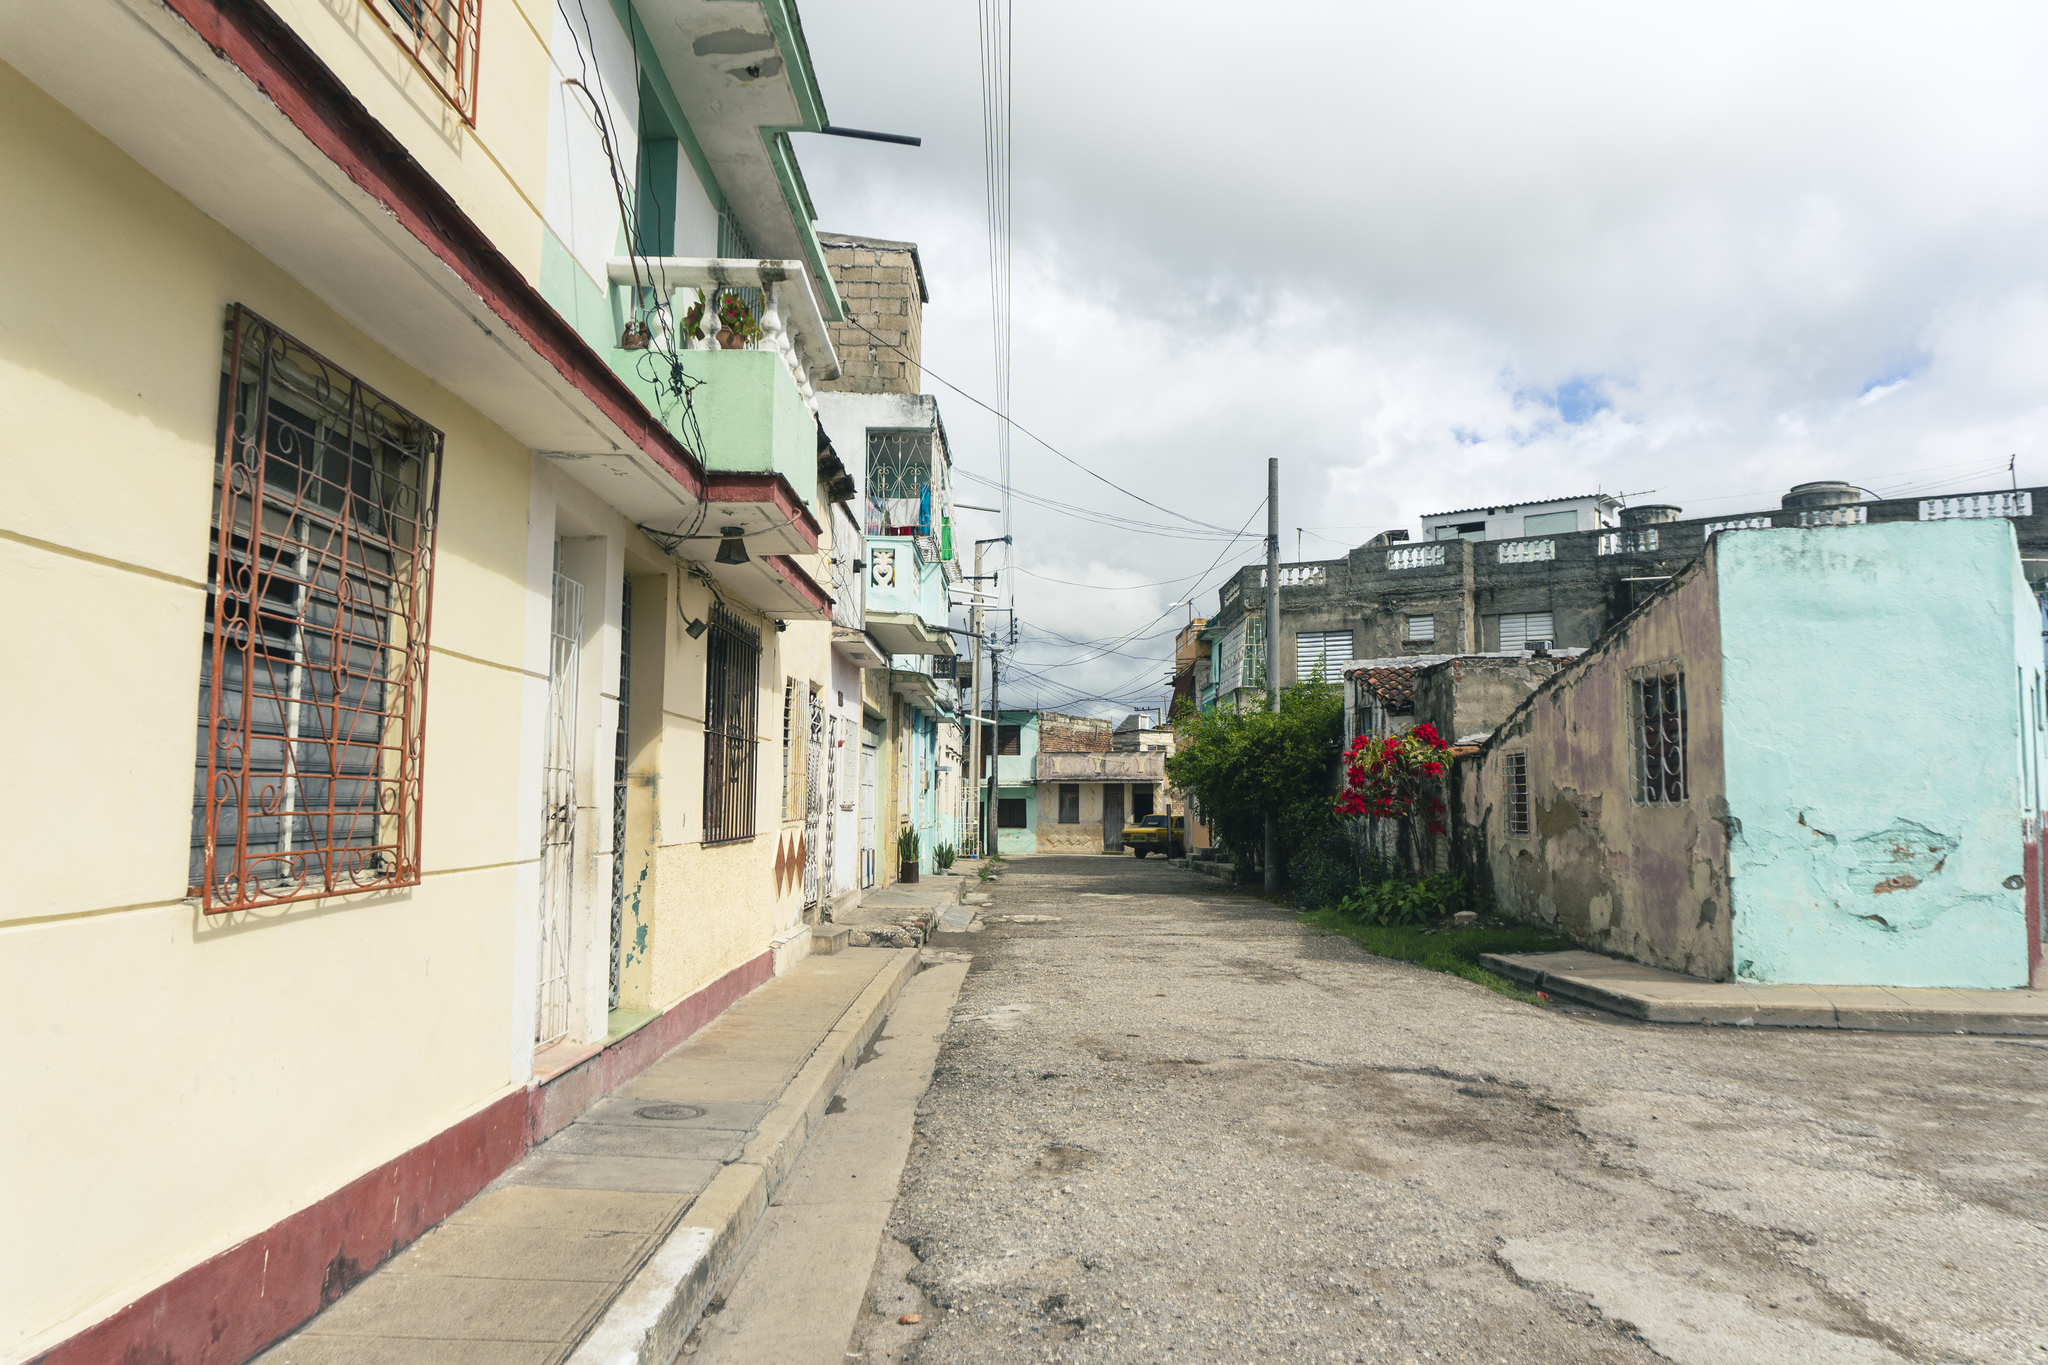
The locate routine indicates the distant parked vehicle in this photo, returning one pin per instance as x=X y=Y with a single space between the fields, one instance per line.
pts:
x=1163 y=834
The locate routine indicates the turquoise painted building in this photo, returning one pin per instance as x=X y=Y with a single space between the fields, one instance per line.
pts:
x=1016 y=765
x=1813 y=757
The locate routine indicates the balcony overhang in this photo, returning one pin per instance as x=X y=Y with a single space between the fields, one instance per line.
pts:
x=271 y=144
x=775 y=585
x=921 y=690
x=902 y=632
x=858 y=648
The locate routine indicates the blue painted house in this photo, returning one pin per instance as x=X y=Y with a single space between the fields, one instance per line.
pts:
x=1814 y=756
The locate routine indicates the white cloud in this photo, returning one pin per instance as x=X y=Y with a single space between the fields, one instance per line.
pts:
x=1353 y=235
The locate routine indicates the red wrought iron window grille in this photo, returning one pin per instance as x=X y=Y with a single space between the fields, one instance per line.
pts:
x=441 y=38
x=313 y=678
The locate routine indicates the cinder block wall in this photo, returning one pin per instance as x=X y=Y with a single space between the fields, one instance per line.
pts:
x=882 y=286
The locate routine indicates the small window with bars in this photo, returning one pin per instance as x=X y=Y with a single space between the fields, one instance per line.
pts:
x=1657 y=699
x=313 y=671
x=1421 y=629
x=732 y=672
x=1010 y=740
x=441 y=38
x=1010 y=812
x=1515 y=768
x=795 y=750
x=1070 y=803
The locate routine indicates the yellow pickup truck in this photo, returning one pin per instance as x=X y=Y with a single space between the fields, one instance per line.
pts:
x=1163 y=834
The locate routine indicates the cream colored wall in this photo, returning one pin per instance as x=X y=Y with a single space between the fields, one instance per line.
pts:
x=1084 y=837
x=178 y=1082
x=496 y=171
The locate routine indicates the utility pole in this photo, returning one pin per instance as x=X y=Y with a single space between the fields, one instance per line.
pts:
x=974 y=747
x=1272 y=645
x=995 y=759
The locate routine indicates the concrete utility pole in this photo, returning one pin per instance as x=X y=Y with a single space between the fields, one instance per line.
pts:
x=1272 y=645
x=974 y=747
x=995 y=759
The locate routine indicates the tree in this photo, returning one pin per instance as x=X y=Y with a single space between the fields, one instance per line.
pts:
x=1238 y=765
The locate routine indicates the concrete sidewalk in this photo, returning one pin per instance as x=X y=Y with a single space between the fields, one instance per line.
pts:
x=1663 y=997
x=606 y=1241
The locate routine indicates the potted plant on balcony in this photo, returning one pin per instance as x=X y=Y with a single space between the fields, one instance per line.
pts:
x=907 y=850
x=737 y=326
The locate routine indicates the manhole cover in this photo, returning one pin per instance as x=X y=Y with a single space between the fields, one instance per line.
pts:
x=669 y=1113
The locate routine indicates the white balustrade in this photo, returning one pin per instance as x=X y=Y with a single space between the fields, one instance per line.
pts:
x=1299 y=575
x=1853 y=515
x=1415 y=556
x=1739 y=524
x=792 y=325
x=2014 y=504
x=1527 y=551
x=1628 y=542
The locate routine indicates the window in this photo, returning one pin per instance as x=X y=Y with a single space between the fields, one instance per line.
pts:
x=1657 y=697
x=1517 y=632
x=313 y=672
x=732 y=670
x=1009 y=812
x=1321 y=653
x=1070 y=803
x=1469 y=530
x=441 y=35
x=1550 y=523
x=1516 y=769
x=795 y=751
x=1010 y=740
x=1421 y=629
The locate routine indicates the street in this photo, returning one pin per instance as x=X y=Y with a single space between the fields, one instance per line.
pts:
x=1175 y=1124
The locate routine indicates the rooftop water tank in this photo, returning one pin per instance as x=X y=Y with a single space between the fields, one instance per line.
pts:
x=1822 y=493
x=1650 y=514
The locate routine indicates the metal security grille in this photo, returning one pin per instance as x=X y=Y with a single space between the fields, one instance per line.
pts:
x=1659 y=703
x=558 y=808
x=441 y=35
x=731 y=680
x=313 y=676
x=619 y=786
x=814 y=795
x=899 y=487
x=1517 y=766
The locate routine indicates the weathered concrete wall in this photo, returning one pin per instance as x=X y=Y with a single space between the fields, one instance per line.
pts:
x=1465 y=699
x=1648 y=882
x=1082 y=837
x=1874 y=701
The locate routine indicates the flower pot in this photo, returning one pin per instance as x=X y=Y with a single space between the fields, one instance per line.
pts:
x=728 y=340
x=908 y=871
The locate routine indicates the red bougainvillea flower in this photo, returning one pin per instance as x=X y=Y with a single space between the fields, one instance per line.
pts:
x=1426 y=733
x=1395 y=777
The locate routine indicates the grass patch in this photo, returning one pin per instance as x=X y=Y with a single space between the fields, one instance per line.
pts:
x=1453 y=951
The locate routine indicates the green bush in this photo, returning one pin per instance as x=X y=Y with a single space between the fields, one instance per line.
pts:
x=1239 y=766
x=1407 y=900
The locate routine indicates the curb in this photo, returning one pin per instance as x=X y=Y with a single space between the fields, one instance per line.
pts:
x=650 y=1319
x=1764 y=1013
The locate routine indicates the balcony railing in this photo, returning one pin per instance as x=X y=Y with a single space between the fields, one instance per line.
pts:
x=1714 y=528
x=1300 y=575
x=1855 y=515
x=1628 y=542
x=1415 y=556
x=2015 y=504
x=1527 y=551
x=792 y=324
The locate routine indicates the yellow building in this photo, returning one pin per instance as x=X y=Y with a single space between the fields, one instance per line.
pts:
x=422 y=637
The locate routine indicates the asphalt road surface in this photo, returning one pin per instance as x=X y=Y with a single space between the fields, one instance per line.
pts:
x=1177 y=1125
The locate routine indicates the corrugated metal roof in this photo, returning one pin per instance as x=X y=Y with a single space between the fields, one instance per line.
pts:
x=1524 y=506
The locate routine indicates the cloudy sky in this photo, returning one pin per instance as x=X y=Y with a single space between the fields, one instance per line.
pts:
x=1446 y=254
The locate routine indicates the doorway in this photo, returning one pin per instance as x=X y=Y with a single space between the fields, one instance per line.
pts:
x=1113 y=817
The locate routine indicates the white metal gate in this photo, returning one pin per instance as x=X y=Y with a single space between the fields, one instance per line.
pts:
x=830 y=823
x=558 y=812
x=814 y=795
x=867 y=812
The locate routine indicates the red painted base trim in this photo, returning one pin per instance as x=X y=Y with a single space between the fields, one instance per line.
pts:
x=227 y=1309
